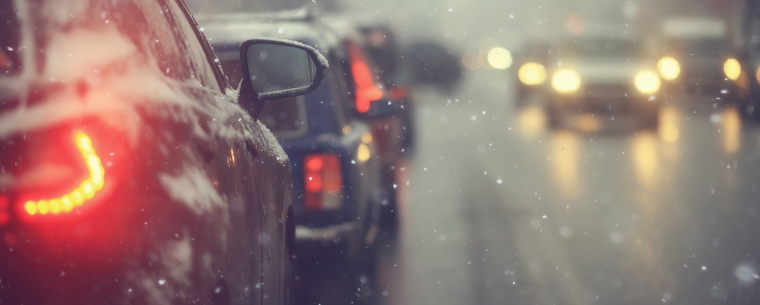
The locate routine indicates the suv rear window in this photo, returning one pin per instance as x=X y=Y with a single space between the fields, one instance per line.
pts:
x=286 y=118
x=603 y=48
x=9 y=39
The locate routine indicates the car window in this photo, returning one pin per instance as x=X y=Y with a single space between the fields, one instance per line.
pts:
x=232 y=68
x=602 y=48
x=198 y=47
x=167 y=35
x=286 y=118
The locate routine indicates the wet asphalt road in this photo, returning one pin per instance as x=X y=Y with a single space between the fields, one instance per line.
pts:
x=500 y=210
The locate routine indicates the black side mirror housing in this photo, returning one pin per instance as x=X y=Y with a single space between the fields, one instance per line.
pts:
x=277 y=69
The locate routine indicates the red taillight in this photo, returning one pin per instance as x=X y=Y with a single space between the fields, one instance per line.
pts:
x=366 y=90
x=323 y=182
x=76 y=197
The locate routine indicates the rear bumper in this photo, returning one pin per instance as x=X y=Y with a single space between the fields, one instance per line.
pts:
x=614 y=104
x=332 y=244
x=305 y=235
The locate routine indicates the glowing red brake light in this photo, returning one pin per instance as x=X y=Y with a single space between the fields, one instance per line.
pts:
x=84 y=191
x=323 y=182
x=366 y=90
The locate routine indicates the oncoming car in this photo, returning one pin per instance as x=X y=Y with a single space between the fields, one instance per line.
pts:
x=696 y=57
x=131 y=172
x=600 y=79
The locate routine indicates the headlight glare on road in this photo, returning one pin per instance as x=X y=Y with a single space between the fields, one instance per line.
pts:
x=668 y=68
x=732 y=68
x=566 y=80
x=532 y=74
x=647 y=82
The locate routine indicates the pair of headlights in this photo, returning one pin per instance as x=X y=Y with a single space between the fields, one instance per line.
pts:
x=567 y=80
x=669 y=68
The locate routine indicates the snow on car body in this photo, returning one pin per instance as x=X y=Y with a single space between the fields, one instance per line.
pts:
x=129 y=173
x=336 y=169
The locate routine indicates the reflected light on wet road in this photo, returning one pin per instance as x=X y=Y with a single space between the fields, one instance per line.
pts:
x=587 y=123
x=730 y=130
x=565 y=156
x=645 y=159
x=532 y=121
x=669 y=122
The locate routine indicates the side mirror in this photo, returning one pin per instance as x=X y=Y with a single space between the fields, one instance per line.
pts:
x=277 y=68
x=382 y=108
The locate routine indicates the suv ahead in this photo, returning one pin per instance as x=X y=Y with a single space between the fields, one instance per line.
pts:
x=336 y=161
x=131 y=172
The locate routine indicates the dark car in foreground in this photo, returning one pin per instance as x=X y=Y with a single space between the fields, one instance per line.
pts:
x=131 y=172
x=599 y=79
x=336 y=167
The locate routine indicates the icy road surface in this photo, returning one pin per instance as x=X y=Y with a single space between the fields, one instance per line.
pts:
x=501 y=210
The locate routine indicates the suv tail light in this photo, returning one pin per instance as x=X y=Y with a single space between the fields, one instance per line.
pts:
x=366 y=90
x=323 y=182
x=83 y=192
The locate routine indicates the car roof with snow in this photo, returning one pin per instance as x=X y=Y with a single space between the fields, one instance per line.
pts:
x=229 y=30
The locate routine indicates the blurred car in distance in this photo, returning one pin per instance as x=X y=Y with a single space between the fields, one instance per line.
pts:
x=379 y=44
x=695 y=56
x=599 y=79
x=336 y=166
x=751 y=60
x=530 y=66
x=132 y=173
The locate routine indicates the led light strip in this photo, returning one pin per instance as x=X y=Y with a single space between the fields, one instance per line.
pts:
x=86 y=190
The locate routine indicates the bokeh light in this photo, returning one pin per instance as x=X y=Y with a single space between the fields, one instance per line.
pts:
x=566 y=80
x=647 y=82
x=732 y=68
x=532 y=74
x=499 y=58
x=575 y=24
x=668 y=68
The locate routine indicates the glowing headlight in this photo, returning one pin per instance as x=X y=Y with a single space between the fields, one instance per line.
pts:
x=499 y=58
x=532 y=74
x=732 y=68
x=647 y=82
x=668 y=68
x=566 y=81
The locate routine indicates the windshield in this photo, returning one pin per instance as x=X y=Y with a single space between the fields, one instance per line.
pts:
x=706 y=48
x=601 y=48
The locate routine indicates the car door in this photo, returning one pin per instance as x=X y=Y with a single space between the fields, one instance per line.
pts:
x=233 y=162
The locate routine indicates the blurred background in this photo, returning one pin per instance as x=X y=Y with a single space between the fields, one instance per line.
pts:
x=585 y=152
